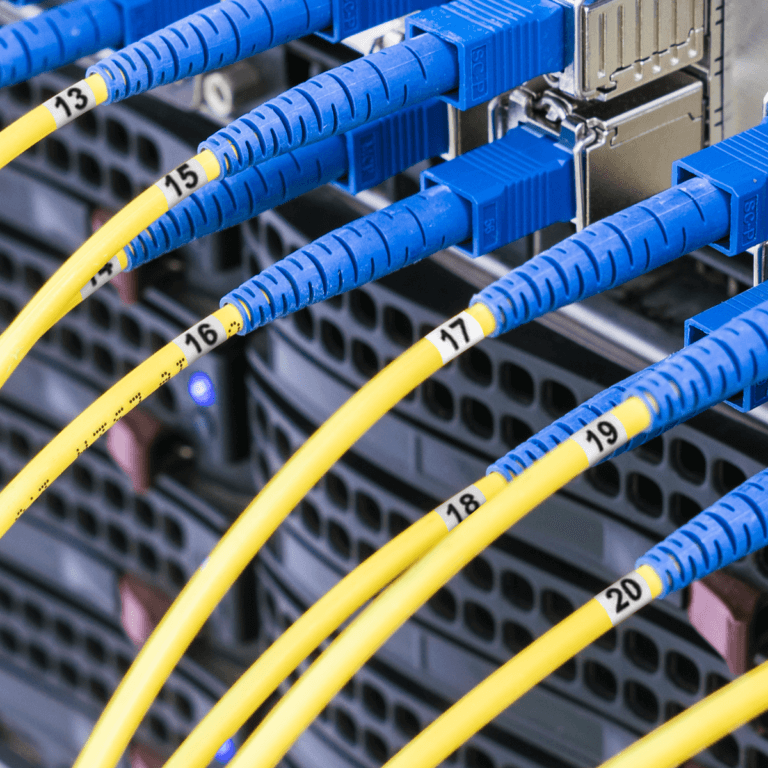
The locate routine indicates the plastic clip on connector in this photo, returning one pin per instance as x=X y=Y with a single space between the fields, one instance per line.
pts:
x=226 y=32
x=521 y=169
x=480 y=49
x=356 y=161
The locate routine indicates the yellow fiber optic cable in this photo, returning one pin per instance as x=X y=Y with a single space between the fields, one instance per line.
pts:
x=194 y=605
x=63 y=108
x=108 y=409
x=323 y=618
x=307 y=698
x=699 y=726
x=528 y=668
x=94 y=262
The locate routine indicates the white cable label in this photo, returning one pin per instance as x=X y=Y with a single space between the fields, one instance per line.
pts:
x=625 y=597
x=201 y=338
x=455 y=336
x=460 y=506
x=102 y=277
x=71 y=103
x=180 y=183
x=601 y=438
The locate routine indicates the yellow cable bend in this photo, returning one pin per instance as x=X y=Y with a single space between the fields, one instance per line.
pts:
x=700 y=725
x=25 y=132
x=306 y=634
x=239 y=545
x=94 y=421
x=52 y=300
x=360 y=640
x=509 y=683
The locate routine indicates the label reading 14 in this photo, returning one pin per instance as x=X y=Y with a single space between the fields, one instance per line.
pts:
x=180 y=183
x=71 y=103
x=201 y=338
x=102 y=277
x=601 y=438
x=455 y=336
x=625 y=597
x=460 y=506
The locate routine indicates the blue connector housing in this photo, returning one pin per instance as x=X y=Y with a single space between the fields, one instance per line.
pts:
x=141 y=17
x=703 y=324
x=517 y=185
x=730 y=529
x=499 y=44
x=352 y=16
x=355 y=161
x=739 y=167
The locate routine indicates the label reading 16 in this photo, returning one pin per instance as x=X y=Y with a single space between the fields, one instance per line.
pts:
x=180 y=183
x=460 y=506
x=201 y=338
x=71 y=103
x=601 y=438
x=456 y=335
x=625 y=597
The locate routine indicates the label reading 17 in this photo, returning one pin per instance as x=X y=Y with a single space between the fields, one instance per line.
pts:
x=456 y=335
x=180 y=183
x=625 y=597
x=71 y=103
x=601 y=438
x=201 y=338
x=460 y=506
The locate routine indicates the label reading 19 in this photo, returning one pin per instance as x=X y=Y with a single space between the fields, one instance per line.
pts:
x=601 y=438
x=201 y=338
x=625 y=597
x=102 y=277
x=180 y=183
x=460 y=506
x=71 y=103
x=456 y=335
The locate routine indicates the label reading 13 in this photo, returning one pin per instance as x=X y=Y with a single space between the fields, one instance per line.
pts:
x=460 y=506
x=456 y=335
x=625 y=597
x=201 y=338
x=71 y=103
x=180 y=183
x=601 y=438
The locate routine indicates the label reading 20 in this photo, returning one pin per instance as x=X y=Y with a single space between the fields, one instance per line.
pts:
x=180 y=183
x=601 y=438
x=71 y=103
x=456 y=335
x=625 y=597
x=201 y=338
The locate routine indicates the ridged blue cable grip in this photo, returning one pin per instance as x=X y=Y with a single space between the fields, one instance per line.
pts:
x=516 y=185
x=730 y=359
x=352 y=16
x=609 y=253
x=337 y=101
x=351 y=256
x=500 y=43
x=221 y=34
x=739 y=166
x=228 y=202
x=730 y=529
x=57 y=37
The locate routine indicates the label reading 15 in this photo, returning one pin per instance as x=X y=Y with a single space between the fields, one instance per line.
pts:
x=625 y=597
x=201 y=338
x=180 y=183
x=71 y=103
x=460 y=506
x=456 y=335
x=601 y=438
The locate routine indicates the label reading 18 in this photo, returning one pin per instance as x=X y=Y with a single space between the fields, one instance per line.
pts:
x=102 y=277
x=456 y=335
x=625 y=597
x=601 y=438
x=460 y=506
x=201 y=338
x=71 y=103
x=180 y=183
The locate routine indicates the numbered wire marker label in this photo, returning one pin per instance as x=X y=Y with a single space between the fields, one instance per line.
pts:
x=71 y=103
x=201 y=338
x=455 y=336
x=102 y=277
x=625 y=597
x=601 y=438
x=180 y=183
x=460 y=506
